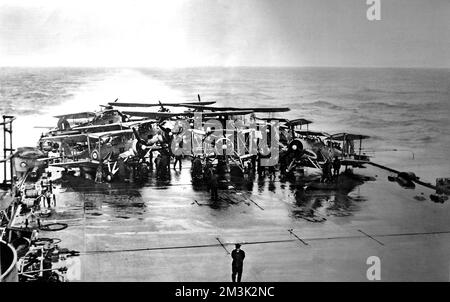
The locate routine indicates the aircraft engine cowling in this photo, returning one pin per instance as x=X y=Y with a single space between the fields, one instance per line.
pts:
x=139 y=148
x=295 y=147
x=299 y=150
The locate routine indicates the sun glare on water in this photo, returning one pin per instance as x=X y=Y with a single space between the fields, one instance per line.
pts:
x=127 y=85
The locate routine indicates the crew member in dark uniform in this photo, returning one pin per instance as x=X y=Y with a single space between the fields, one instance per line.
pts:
x=197 y=170
x=326 y=168
x=213 y=185
x=253 y=161
x=336 y=167
x=164 y=166
x=271 y=171
x=261 y=169
x=238 y=256
x=157 y=164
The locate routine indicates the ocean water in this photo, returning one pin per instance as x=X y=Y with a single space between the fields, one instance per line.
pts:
x=405 y=111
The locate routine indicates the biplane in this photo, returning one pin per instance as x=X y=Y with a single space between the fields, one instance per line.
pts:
x=300 y=151
x=90 y=121
x=228 y=149
x=103 y=154
x=303 y=150
x=110 y=119
x=345 y=143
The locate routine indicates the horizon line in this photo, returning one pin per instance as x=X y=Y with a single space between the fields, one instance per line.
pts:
x=224 y=66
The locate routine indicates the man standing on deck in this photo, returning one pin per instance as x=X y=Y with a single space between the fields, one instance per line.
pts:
x=164 y=166
x=213 y=184
x=326 y=167
x=157 y=163
x=261 y=168
x=330 y=171
x=238 y=256
x=336 y=167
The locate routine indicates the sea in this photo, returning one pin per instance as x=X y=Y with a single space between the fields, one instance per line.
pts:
x=406 y=112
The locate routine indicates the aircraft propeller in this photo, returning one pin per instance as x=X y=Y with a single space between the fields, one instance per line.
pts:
x=141 y=145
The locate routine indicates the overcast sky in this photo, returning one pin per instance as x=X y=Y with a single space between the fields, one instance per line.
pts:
x=171 y=33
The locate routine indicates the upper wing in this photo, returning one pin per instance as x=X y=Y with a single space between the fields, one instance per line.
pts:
x=348 y=136
x=77 y=115
x=224 y=113
x=254 y=109
x=184 y=104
